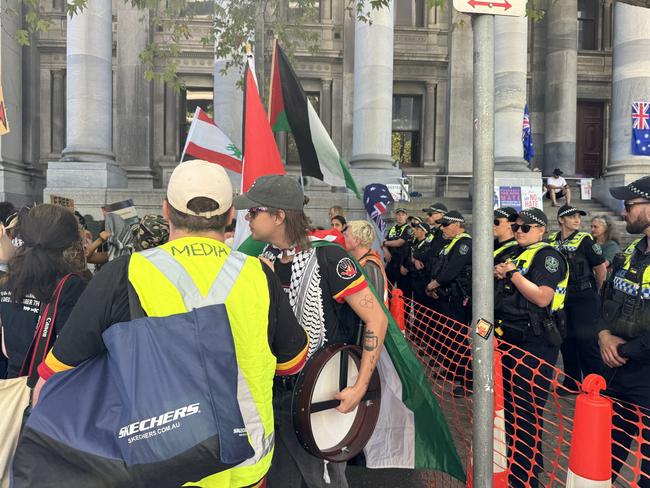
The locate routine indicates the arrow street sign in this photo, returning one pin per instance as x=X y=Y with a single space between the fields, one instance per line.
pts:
x=512 y=8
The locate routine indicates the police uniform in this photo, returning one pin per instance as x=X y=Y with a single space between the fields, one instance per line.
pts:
x=398 y=256
x=626 y=314
x=580 y=353
x=531 y=329
x=421 y=250
x=505 y=250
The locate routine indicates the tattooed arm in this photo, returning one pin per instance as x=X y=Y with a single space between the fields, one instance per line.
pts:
x=365 y=305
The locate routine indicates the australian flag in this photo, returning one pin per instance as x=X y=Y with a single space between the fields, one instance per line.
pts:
x=376 y=198
x=527 y=137
x=641 y=128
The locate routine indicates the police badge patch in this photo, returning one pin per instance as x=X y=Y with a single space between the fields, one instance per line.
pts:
x=551 y=264
x=464 y=249
x=597 y=249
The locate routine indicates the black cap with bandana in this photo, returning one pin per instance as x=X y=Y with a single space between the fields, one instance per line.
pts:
x=401 y=209
x=505 y=213
x=531 y=216
x=637 y=189
x=452 y=217
x=566 y=210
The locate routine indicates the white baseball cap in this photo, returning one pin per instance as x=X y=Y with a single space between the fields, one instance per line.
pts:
x=198 y=178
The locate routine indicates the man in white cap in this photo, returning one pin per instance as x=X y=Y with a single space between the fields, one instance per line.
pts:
x=164 y=281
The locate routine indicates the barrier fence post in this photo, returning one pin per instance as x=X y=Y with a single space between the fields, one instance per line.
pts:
x=482 y=249
x=590 y=457
x=397 y=308
x=500 y=446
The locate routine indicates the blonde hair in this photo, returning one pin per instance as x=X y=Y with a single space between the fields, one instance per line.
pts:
x=362 y=230
x=336 y=210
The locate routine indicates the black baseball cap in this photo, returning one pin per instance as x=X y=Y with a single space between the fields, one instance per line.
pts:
x=566 y=210
x=557 y=172
x=401 y=209
x=275 y=191
x=436 y=208
x=505 y=212
x=452 y=217
x=422 y=225
x=531 y=216
x=637 y=189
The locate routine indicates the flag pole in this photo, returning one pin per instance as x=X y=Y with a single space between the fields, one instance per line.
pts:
x=273 y=61
x=189 y=132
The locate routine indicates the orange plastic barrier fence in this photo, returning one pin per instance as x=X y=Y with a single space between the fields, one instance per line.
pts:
x=538 y=410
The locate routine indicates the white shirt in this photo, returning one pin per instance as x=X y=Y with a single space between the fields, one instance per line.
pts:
x=556 y=182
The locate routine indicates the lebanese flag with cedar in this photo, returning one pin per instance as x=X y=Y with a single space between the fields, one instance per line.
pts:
x=205 y=140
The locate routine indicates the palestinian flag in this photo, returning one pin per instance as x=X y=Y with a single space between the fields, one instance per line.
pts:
x=261 y=156
x=291 y=110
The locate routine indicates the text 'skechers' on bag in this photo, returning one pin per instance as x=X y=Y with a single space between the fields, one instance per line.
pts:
x=159 y=409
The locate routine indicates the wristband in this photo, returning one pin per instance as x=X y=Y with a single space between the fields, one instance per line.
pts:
x=510 y=273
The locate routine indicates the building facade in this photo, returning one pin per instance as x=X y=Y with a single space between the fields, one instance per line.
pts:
x=563 y=66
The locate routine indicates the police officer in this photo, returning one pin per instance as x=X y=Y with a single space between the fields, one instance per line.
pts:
x=419 y=261
x=451 y=286
x=624 y=338
x=395 y=250
x=434 y=213
x=532 y=293
x=587 y=273
x=505 y=244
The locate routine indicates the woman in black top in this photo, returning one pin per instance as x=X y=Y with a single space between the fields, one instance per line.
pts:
x=38 y=265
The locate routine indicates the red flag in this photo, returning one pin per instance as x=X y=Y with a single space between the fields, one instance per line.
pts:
x=261 y=155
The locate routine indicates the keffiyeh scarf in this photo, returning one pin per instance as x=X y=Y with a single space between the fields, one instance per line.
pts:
x=305 y=294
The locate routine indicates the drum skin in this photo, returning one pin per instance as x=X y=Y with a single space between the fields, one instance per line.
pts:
x=344 y=360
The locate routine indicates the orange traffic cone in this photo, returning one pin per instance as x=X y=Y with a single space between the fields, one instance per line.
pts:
x=500 y=449
x=590 y=457
x=397 y=308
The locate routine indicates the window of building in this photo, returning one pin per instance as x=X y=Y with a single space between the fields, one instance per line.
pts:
x=198 y=8
x=410 y=13
x=190 y=99
x=588 y=24
x=407 y=129
x=292 y=149
x=298 y=11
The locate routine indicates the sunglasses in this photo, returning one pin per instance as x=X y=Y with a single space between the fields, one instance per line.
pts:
x=252 y=212
x=446 y=224
x=497 y=222
x=629 y=205
x=525 y=228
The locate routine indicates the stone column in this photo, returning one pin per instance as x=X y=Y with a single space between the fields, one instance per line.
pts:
x=510 y=70
x=538 y=87
x=561 y=86
x=373 y=93
x=631 y=83
x=58 y=111
x=428 y=134
x=88 y=159
x=134 y=104
x=460 y=130
x=228 y=101
x=171 y=133
x=14 y=177
x=326 y=104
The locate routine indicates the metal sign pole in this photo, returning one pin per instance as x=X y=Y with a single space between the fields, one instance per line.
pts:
x=482 y=268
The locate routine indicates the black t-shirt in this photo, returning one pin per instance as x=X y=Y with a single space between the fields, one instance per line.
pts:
x=19 y=320
x=508 y=252
x=106 y=302
x=340 y=277
x=395 y=233
x=591 y=251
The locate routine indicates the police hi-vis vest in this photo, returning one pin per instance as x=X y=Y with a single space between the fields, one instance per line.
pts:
x=579 y=268
x=523 y=263
x=507 y=246
x=630 y=285
x=447 y=249
x=190 y=273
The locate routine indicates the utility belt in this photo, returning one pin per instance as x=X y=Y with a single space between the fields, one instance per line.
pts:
x=455 y=291
x=285 y=383
x=551 y=327
x=587 y=284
